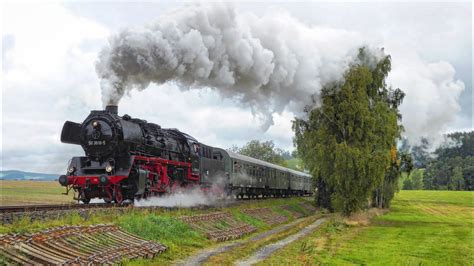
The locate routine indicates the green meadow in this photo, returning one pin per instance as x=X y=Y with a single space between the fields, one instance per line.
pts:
x=422 y=228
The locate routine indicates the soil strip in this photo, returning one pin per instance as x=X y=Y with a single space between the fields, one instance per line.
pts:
x=203 y=256
x=267 y=250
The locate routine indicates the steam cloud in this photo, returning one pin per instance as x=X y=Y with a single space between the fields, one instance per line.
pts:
x=269 y=63
x=189 y=198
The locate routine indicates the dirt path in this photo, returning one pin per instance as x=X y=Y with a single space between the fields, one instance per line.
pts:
x=267 y=250
x=203 y=256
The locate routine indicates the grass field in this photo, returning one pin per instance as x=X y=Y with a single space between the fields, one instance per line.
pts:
x=32 y=192
x=422 y=228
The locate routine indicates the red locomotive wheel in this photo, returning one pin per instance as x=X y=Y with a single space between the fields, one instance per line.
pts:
x=118 y=195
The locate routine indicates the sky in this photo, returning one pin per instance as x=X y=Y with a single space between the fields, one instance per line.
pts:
x=49 y=52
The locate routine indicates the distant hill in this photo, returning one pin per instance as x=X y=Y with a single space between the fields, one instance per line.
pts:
x=20 y=175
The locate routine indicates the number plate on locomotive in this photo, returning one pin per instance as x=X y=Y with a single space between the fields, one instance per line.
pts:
x=97 y=143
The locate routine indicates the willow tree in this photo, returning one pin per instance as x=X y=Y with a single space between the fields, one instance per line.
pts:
x=346 y=141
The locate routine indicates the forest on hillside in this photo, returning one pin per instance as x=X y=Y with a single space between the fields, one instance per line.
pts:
x=449 y=167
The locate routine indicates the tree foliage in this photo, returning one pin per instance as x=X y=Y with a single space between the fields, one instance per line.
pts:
x=414 y=181
x=453 y=166
x=263 y=150
x=347 y=142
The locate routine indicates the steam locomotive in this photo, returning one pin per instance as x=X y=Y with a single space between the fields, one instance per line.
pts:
x=128 y=158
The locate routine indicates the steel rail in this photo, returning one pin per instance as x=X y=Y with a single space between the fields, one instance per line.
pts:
x=72 y=206
x=54 y=207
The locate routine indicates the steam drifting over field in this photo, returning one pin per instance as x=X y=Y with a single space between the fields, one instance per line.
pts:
x=186 y=198
x=268 y=63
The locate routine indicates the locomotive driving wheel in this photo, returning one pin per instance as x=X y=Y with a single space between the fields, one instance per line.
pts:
x=84 y=197
x=118 y=196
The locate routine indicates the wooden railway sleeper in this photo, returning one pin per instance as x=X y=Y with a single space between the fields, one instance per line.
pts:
x=56 y=251
x=42 y=253
x=71 y=251
x=37 y=257
x=15 y=255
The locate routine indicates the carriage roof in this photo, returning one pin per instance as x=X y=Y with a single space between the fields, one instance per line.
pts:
x=241 y=157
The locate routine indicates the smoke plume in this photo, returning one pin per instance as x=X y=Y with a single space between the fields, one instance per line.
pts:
x=269 y=63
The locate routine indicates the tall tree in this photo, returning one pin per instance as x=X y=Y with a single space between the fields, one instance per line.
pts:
x=457 y=180
x=346 y=142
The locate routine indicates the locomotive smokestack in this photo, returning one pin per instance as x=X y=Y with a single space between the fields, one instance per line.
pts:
x=112 y=108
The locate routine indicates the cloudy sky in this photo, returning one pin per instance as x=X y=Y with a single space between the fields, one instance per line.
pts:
x=49 y=52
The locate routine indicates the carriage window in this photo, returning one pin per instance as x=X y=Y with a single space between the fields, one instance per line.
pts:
x=217 y=156
x=236 y=165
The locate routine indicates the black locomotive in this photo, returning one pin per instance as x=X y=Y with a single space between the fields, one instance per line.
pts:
x=128 y=158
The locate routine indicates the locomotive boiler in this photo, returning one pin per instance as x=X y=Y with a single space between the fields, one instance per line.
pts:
x=128 y=158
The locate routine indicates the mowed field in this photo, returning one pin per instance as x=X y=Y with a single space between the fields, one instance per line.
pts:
x=32 y=192
x=422 y=228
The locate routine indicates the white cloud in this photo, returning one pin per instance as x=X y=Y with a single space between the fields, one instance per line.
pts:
x=432 y=95
x=49 y=77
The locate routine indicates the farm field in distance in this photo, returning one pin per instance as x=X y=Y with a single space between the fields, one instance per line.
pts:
x=422 y=227
x=16 y=192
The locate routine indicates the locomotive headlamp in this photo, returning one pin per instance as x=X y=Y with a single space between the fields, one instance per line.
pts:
x=96 y=125
x=109 y=168
x=71 y=169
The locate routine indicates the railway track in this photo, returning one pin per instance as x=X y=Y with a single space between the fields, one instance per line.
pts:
x=9 y=214
x=72 y=206
x=54 y=207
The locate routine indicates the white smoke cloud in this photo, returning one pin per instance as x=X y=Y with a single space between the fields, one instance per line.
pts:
x=268 y=63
